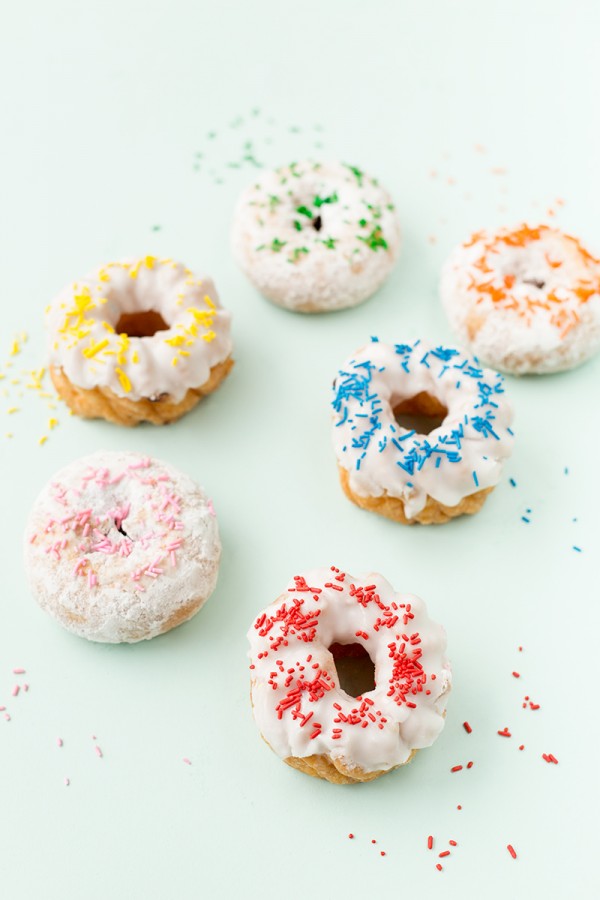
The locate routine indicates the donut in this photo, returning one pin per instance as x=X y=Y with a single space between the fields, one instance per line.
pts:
x=120 y=547
x=524 y=300
x=316 y=237
x=139 y=341
x=420 y=431
x=347 y=723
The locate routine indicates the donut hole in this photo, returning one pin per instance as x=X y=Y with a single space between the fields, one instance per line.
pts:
x=422 y=413
x=144 y=323
x=355 y=668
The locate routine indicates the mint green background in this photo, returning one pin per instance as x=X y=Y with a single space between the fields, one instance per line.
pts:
x=103 y=107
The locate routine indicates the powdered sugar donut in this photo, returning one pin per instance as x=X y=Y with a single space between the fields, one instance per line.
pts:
x=303 y=712
x=524 y=300
x=415 y=472
x=121 y=547
x=316 y=237
x=138 y=341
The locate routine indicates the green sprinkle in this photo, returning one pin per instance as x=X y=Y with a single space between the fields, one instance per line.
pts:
x=277 y=245
x=362 y=223
x=297 y=225
x=304 y=211
x=320 y=201
x=297 y=253
x=273 y=201
x=375 y=240
x=329 y=243
x=357 y=174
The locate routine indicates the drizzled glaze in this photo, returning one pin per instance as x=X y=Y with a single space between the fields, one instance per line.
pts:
x=525 y=299
x=463 y=455
x=299 y=706
x=84 y=343
x=119 y=547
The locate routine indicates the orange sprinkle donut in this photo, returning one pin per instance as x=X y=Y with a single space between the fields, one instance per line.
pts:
x=138 y=341
x=524 y=300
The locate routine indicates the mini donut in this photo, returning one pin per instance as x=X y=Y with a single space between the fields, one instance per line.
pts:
x=297 y=645
x=316 y=237
x=439 y=465
x=139 y=341
x=524 y=300
x=120 y=547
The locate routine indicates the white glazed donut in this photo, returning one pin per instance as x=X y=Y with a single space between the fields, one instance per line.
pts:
x=120 y=547
x=524 y=300
x=138 y=341
x=401 y=473
x=316 y=237
x=299 y=706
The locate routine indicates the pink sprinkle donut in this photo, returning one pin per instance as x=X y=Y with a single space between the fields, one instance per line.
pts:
x=120 y=547
x=347 y=728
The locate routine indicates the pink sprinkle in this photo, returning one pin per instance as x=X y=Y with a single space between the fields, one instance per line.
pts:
x=59 y=742
x=187 y=761
x=7 y=717
x=25 y=687
x=18 y=671
x=2 y=708
x=211 y=509
x=15 y=690
x=67 y=782
x=32 y=538
x=98 y=751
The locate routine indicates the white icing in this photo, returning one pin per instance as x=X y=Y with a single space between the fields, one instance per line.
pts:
x=524 y=300
x=394 y=729
x=108 y=586
x=297 y=266
x=169 y=362
x=382 y=457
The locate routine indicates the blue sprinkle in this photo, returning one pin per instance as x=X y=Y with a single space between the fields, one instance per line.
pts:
x=510 y=431
x=578 y=549
x=374 y=340
x=566 y=473
x=409 y=484
x=457 y=384
x=525 y=519
x=512 y=481
x=475 y=479
x=438 y=462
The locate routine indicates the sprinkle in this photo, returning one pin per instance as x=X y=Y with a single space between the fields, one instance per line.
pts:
x=577 y=549
x=453 y=843
x=456 y=768
x=59 y=742
x=550 y=758
x=511 y=850
x=351 y=836
x=521 y=746
x=443 y=854
x=430 y=842
x=475 y=479
x=439 y=867
x=125 y=382
x=18 y=671
x=512 y=482
x=187 y=761
x=67 y=782
x=15 y=690
x=516 y=675
x=470 y=764
x=467 y=727
x=505 y=732
x=98 y=751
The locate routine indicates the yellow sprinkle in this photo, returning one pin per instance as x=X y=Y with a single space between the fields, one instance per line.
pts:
x=43 y=440
x=175 y=360
x=9 y=434
x=150 y=260
x=134 y=357
x=209 y=302
x=12 y=409
x=209 y=336
x=122 y=349
x=184 y=352
x=134 y=272
x=103 y=276
x=52 y=423
x=48 y=308
x=125 y=382
x=93 y=349
x=15 y=348
x=175 y=341
x=108 y=327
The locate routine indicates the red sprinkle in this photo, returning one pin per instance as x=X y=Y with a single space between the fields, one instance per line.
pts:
x=350 y=835
x=521 y=746
x=467 y=727
x=459 y=806
x=470 y=764
x=444 y=853
x=430 y=842
x=439 y=867
x=511 y=850
x=382 y=852
x=505 y=732
x=456 y=768
x=550 y=758
x=453 y=843
x=516 y=675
